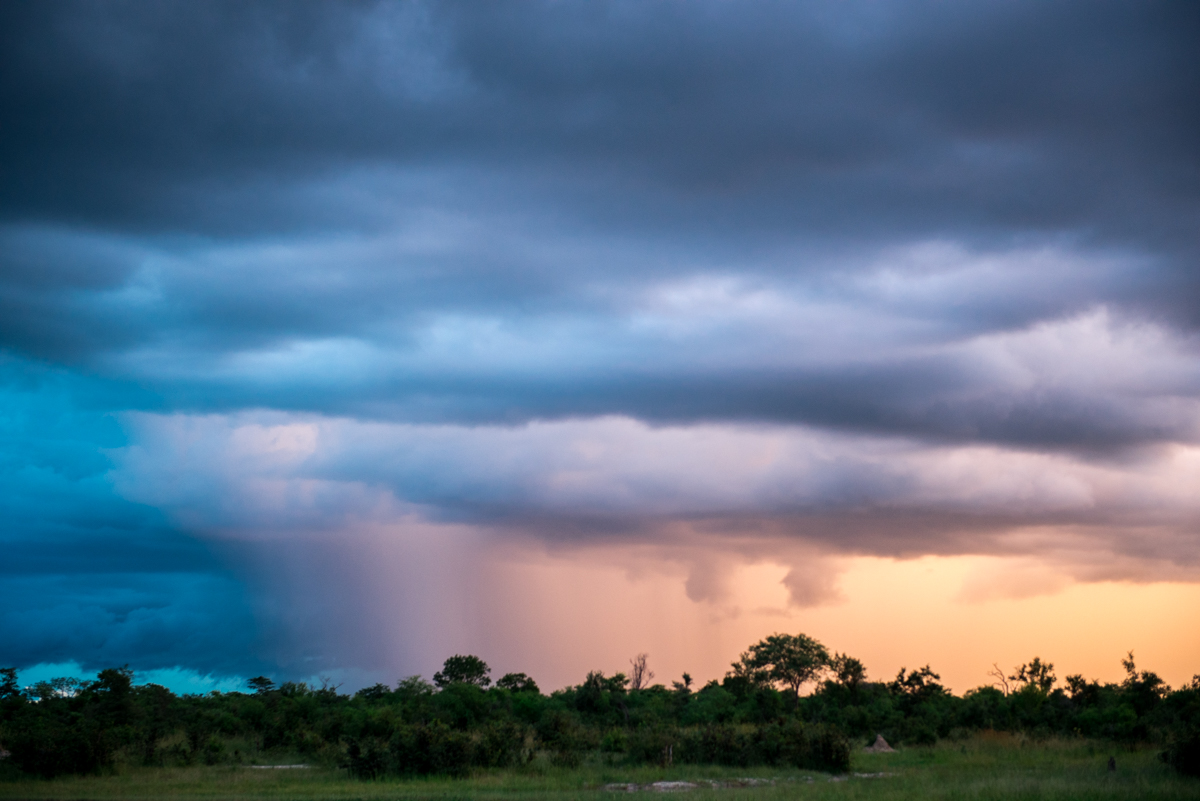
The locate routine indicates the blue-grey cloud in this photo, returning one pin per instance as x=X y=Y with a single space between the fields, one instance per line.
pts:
x=87 y=575
x=225 y=185
x=968 y=229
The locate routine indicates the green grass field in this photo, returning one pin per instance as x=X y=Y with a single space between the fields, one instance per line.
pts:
x=984 y=767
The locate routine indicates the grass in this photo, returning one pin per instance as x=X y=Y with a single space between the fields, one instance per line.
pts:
x=984 y=767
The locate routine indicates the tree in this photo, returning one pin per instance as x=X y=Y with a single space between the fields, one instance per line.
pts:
x=260 y=684
x=8 y=683
x=374 y=693
x=639 y=677
x=460 y=669
x=1001 y=681
x=11 y=697
x=785 y=659
x=918 y=684
x=1035 y=673
x=848 y=671
x=517 y=683
x=1142 y=689
x=61 y=687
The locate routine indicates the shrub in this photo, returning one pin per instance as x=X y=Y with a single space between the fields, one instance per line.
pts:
x=651 y=745
x=501 y=745
x=564 y=737
x=812 y=746
x=213 y=750
x=366 y=759
x=717 y=745
x=614 y=741
x=1183 y=754
x=435 y=748
x=51 y=750
x=824 y=749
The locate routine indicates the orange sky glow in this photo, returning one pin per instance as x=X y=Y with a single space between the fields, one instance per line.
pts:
x=558 y=614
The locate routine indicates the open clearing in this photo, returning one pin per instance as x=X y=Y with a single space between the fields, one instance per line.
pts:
x=983 y=767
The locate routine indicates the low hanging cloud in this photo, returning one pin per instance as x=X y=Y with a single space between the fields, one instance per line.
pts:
x=341 y=522
x=616 y=479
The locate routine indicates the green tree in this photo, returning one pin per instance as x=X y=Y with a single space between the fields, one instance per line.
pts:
x=8 y=683
x=261 y=684
x=789 y=660
x=460 y=669
x=920 y=684
x=1035 y=673
x=848 y=671
x=517 y=683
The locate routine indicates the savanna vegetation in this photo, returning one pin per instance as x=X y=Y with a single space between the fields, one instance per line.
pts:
x=787 y=704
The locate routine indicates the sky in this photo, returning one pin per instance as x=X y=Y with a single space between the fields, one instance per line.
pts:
x=336 y=339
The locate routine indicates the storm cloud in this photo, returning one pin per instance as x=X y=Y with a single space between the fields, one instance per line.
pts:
x=278 y=279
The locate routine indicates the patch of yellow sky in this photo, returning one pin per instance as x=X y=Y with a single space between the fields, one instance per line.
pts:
x=559 y=616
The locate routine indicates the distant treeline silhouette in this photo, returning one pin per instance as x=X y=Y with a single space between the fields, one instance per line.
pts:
x=759 y=714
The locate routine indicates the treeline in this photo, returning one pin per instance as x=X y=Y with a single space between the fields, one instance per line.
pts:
x=758 y=714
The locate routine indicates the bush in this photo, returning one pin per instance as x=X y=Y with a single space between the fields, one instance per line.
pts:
x=435 y=748
x=50 y=756
x=1184 y=753
x=367 y=759
x=213 y=750
x=813 y=747
x=651 y=745
x=501 y=745
x=716 y=745
x=615 y=741
x=48 y=747
x=564 y=737
x=921 y=733
x=824 y=749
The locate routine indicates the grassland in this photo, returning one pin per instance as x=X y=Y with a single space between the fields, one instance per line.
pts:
x=983 y=767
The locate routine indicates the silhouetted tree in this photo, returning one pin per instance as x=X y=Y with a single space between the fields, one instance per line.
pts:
x=375 y=692
x=517 y=683
x=1035 y=673
x=1001 y=681
x=848 y=671
x=786 y=659
x=639 y=677
x=919 y=685
x=1143 y=689
x=260 y=684
x=11 y=697
x=460 y=669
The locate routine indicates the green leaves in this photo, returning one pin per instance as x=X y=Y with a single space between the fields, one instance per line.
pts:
x=790 y=660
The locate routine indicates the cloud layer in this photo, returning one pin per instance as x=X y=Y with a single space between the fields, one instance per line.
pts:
x=280 y=283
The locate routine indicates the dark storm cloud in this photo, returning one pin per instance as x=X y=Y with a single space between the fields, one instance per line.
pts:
x=859 y=118
x=556 y=150
x=944 y=254
x=87 y=575
x=997 y=117
x=197 y=196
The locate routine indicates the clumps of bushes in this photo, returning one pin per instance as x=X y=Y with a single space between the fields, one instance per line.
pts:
x=1183 y=753
x=565 y=738
x=54 y=749
x=435 y=748
x=788 y=743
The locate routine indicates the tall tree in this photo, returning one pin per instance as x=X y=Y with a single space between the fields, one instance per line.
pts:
x=790 y=660
x=460 y=669
x=639 y=677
